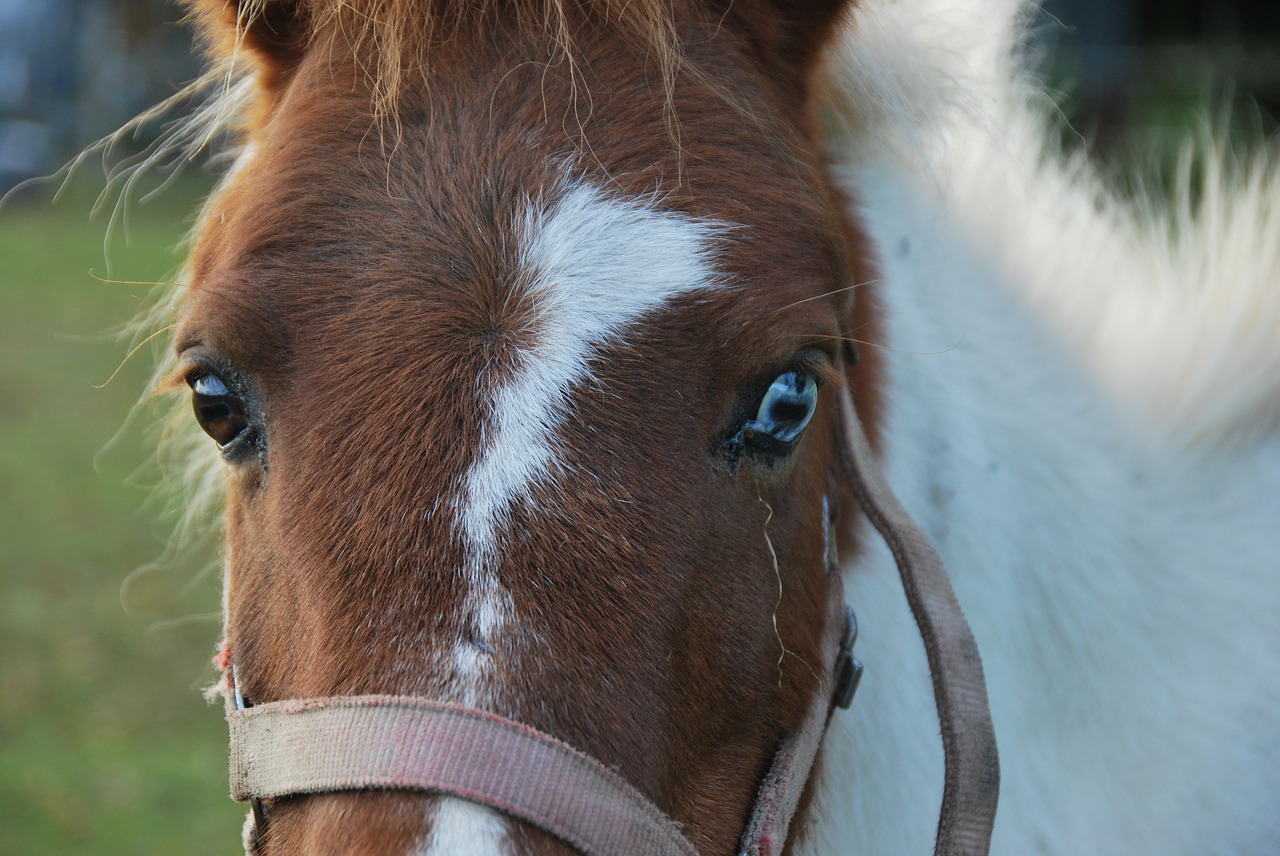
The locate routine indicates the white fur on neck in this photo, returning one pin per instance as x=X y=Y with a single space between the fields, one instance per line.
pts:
x=1068 y=395
x=1124 y=593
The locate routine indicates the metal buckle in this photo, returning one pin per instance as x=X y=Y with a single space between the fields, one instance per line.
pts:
x=848 y=669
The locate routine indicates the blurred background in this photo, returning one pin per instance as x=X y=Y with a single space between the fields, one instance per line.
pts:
x=105 y=740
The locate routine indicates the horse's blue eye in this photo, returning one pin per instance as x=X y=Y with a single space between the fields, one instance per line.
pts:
x=220 y=413
x=787 y=407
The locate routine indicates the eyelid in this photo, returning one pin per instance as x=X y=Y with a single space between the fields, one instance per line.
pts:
x=199 y=360
x=818 y=362
x=180 y=376
x=192 y=357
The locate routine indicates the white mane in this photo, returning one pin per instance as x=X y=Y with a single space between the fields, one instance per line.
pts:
x=1174 y=307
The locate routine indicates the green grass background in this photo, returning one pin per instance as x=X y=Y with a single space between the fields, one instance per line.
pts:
x=106 y=743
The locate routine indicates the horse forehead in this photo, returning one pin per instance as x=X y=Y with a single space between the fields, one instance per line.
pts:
x=579 y=267
x=594 y=266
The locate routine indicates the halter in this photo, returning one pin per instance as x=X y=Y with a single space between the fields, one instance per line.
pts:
x=306 y=746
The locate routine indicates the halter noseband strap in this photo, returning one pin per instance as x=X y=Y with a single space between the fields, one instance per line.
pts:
x=397 y=742
x=305 y=746
x=363 y=742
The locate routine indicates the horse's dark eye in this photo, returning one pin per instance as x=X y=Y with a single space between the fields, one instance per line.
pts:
x=787 y=407
x=218 y=410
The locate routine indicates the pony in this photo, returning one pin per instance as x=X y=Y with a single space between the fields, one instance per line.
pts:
x=516 y=331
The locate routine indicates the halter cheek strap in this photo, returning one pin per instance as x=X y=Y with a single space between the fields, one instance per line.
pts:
x=971 y=783
x=379 y=742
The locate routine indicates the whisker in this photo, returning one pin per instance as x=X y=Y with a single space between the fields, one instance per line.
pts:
x=773 y=555
x=157 y=627
x=868 y=343
x=133 y=351
x=831 y=293
x=110 y=281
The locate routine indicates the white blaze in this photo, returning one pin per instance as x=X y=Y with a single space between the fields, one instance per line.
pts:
x=596 y=265
x=592 y=266
x=462 y=828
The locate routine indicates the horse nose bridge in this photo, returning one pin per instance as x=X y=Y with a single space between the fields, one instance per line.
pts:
x=461 y=828
x=411 y=823
x=404 y=822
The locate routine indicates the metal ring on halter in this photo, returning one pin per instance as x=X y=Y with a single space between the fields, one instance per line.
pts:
x=848 y=668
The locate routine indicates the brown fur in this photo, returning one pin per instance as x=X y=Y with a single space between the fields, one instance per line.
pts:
x=397 y=37
x=366 y=294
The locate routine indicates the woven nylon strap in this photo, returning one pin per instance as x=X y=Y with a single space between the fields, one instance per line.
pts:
x=971 y=784
x=363 y=742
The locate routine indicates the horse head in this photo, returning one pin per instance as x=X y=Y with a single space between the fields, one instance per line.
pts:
x=518 y=332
